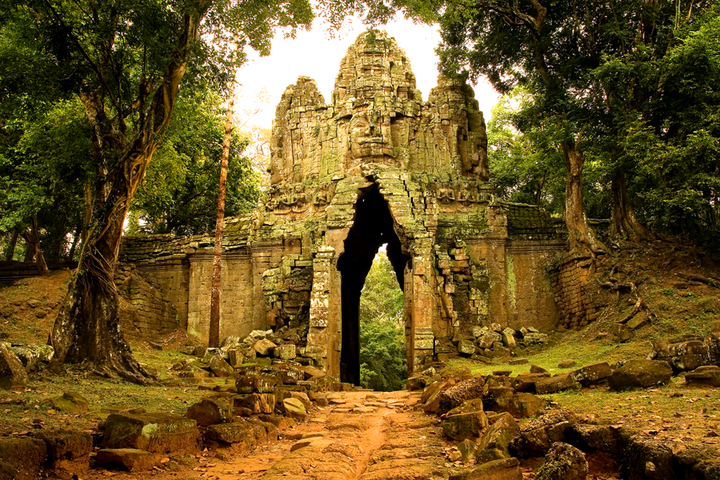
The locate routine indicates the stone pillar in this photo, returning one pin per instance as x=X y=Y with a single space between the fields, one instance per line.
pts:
x=321 y=328
x=423 y=310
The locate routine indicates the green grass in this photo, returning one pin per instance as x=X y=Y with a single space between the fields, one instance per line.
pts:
x=569 y=346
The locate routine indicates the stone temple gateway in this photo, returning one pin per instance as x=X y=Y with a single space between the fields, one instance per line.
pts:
x=376 y=165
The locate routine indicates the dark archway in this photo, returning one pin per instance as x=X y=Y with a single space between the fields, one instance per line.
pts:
x=372 y=228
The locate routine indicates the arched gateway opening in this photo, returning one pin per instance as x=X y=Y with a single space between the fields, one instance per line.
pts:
x=373 y=227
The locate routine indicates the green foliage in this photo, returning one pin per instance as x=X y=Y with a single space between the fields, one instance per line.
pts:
x=180 y=190
x=43 y=171
x=382 y=336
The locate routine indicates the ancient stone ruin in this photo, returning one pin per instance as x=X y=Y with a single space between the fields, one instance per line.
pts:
x=375 y=165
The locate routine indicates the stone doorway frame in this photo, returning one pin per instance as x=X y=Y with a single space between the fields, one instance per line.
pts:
x=324 y=341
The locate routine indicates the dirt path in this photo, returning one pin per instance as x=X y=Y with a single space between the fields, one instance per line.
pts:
x=358 y=436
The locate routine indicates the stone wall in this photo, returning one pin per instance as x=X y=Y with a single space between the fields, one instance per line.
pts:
x=146 y=312
x=375 y=166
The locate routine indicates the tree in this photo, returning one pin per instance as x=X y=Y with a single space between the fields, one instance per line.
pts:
x=125 y=61
x=43 y=169
x=382 y=332
x=180 y=190
x=557 y=51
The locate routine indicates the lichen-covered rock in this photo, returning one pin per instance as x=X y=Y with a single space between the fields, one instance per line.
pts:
x=154 y=432
x=219 y=367
x=640 y=373
x=458 y=394
x=285 y=351
x=12 y=372
x=23 y=457
x=592 y=374
x=468 y=450
x=705 y=375
x=520 y=405
x=70 y=402
x=66 y=445
x=257 y=403
x=557 y=383
x=495 y=440
x=466 y=347
x=294 y=408
x=538 y=435
x=210 y=411
x=32 y=355
x=563 y=462
x=129 y=459
x=504 y=469
x=247 y=432
x=465 y=421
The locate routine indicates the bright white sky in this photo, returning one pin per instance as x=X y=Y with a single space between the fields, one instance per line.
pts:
x=314 y=54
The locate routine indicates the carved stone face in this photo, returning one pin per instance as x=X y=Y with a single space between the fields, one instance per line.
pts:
x=369 y=141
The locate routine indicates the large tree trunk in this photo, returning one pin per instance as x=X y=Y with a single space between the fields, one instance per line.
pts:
x=581 y=236
x=87 y=329
x=624 y=223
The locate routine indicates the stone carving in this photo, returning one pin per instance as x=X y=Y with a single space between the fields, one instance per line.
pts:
x=375 y=165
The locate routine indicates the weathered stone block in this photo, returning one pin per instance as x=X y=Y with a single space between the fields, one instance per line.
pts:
x=640 y=374
x=555 y=384
x=154 y=432
x=209 y=411
x=285 y=352
x=12 y=372
x=130 y=459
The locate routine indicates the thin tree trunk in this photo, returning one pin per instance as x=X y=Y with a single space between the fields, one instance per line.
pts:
x=214 y=334
x=10 y=252
x=624 y=223
x=76 y=240
x=581 y=236
x=32 y=238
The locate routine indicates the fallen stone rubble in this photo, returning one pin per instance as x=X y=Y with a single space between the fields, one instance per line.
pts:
x=264 y=393
x=490 y=440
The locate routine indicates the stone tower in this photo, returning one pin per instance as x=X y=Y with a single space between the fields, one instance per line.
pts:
x=375 y=166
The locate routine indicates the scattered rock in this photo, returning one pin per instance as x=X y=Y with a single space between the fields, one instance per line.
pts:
x=264 y=347
x=538 y=435
x=705 y=375
x=294 y=408
x=257 y=402
x=32 y=356
x=130 y=459
x=563 y=462
x=592 y=374
x=285 y=352
x=219 y=367
x=567 y=364
x=467 y=449
x=12 y=372
x=70 y=402
x=23 y=457
x=520 y=405
x=154 y=432
x=505 y=469
x=465 y=421
x=640 y=374
x=210 y=411
x=466 y=347
x=556 y=383
x=458 y=394
x=495 y=441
